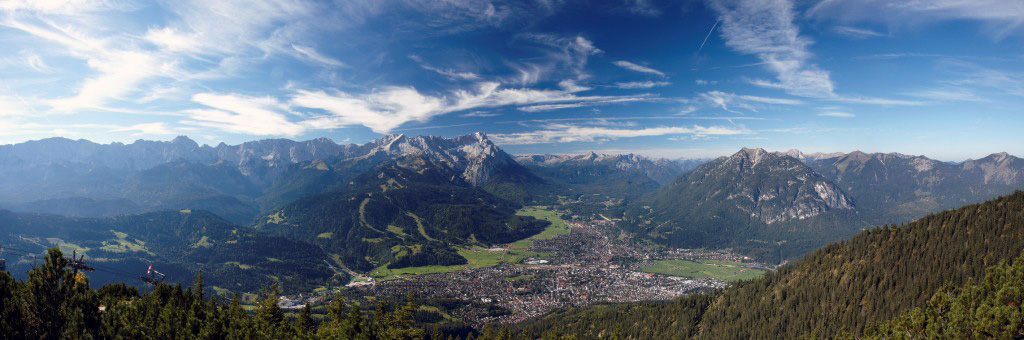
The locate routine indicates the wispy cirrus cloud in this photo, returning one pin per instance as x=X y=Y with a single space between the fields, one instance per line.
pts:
x=1002 y=17
x=879 y=101
x=589 y=101
x=771 y=100
x=147 y=129
x=765 y=28
x=381 y=110
x=14 y=106
x=312 y=55
x=119 y=70
x=560 y=53
x=551 y=107
x=857 y=32
x=247 y=115
x=642 y=7
x=836 y=114
x=969 y=74
x=642 y=84
x=491 y=94
x=569 y=133
x=947 y=94
x=201 y=40
x=730 y=101
x=449 y=73
x=480 y=114
x=637 y=68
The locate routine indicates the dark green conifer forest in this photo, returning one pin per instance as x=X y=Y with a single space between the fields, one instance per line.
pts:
x=55 y=302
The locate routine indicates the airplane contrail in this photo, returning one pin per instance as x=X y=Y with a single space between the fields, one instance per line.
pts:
x=708 y=36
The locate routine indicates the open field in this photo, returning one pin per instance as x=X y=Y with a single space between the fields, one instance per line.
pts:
x=557 y=227
x=482 y=257
x=477 y=258
x=710 y=269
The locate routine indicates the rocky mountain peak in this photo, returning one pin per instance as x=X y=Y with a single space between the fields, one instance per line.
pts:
x=1001 y=156
x=753 y=155
x=184 y=141
x=767 y=186
x=998 y=168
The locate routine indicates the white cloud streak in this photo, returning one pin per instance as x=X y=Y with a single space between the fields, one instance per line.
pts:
x=382 y=110
x=119 y=70
x=729 y=101
x=637 y=68
x=879 y=101
x=836 y=114
x=765 y=28
x=147 y=129
x=770 y=100
x=261 y=116
x=642 y=84
x=446 y=72
x=569 y=133
x=947 y=94
x=857 y=33
x=311 y=54
x=206 y=39
x=1002 y=16
x=560 y=53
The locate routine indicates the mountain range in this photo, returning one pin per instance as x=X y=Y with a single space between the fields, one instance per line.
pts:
x=779 y=205
x=404 y=201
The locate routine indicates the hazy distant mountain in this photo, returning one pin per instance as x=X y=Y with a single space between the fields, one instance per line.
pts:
x=752 y=194
x=809 y=157
x=228 y=180
x=688 y=164
x=592 y=184
x=897 y=186
x=660 y=170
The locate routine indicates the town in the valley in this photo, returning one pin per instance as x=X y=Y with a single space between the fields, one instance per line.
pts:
x=590 y=263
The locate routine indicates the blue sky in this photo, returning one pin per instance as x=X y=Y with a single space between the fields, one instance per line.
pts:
x=943 y=78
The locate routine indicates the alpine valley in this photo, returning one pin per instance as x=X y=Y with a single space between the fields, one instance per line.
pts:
x=315 y=218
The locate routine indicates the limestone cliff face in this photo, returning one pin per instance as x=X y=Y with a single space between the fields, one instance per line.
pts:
x=774 y=188
x=474 y=156
x=752 y=198
x=765 y=186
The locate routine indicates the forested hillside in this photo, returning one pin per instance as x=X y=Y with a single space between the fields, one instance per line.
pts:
x=989 y=308
x=405 y=213
x=55 y=302
x=846 y=286
x=178 y=243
